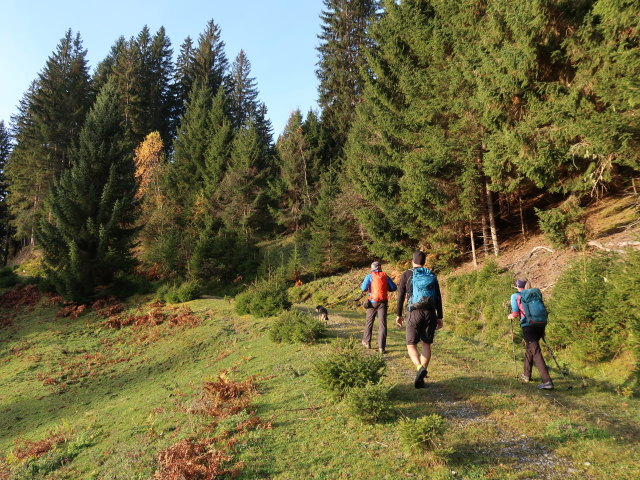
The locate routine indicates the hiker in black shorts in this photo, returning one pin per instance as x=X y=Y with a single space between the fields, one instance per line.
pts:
x=424 y=305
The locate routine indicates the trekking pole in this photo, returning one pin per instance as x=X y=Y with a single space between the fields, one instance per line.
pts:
x=513 y=338
x=554 y=357
x=564 y=375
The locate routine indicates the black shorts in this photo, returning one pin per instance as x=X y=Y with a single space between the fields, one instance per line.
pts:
x=421 y=325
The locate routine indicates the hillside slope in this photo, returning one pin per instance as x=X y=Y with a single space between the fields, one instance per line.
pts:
x=130 y=395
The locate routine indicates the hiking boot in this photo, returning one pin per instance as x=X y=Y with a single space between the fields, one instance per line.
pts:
x=381 y=351
x=365 y=344
x=524 y=378
x=420 y=376
x=546 y=386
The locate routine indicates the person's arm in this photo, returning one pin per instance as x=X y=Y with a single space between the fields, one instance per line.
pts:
x=402 y=292
x=366 y=283
x=515 y=308
x=392 y=286
x=439 y=312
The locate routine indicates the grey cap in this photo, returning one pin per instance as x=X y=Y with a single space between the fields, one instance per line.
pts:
x=375 y=266
x=521 y=283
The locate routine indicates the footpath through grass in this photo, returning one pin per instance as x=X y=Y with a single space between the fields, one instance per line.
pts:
x=110 y=401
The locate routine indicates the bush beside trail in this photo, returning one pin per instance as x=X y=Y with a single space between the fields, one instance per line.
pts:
x=266 y=298
x=294 y=326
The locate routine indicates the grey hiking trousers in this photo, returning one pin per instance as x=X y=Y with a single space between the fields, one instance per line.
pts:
x=378 y=309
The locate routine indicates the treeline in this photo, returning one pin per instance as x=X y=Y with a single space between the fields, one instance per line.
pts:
x=439 y=120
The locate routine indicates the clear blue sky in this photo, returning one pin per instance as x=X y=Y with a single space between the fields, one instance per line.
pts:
x=278 y=36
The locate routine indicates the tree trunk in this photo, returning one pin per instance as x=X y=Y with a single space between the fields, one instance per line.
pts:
x=522 y=225
x=492 y=221
x=473 y=246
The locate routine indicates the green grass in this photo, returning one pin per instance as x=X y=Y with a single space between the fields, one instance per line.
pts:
x=136 y=401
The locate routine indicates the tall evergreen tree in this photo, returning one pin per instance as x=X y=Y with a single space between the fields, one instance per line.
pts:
x=329 y=233
x=295 y=174
x=239 y=199
x=5 y=228
x=243 y=98
x=342 y=62
x=90 y=236
x=47 y=124
x=218 y=152
x=204 y=64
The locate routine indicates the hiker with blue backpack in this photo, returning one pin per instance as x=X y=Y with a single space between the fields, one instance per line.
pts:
x=377 y=284
x=527 y=305
x=424 y=313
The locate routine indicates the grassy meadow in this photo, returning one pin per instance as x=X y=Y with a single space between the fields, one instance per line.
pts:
x=112 y=403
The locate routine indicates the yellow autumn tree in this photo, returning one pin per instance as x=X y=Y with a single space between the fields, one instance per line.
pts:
x=148 y=158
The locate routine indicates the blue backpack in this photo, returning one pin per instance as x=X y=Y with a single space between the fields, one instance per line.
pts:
x=530 y=302
x=423 y=284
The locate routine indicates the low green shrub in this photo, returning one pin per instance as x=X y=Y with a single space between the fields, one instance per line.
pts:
x=294 y=326
x=564 y=225
x=423 y=433
x=348 y=367
x=369 y=404
x=266 y=298
x=184 y=292
x=8 y=278
x=576 y=315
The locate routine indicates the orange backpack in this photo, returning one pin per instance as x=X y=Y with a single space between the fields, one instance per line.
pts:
x=379 y=287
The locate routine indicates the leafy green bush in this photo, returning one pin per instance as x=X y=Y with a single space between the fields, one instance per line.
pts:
x=422 y=433
x=576 y=310
x=185 y=292
x=563 y=225
x=263 y=299
x=478 y=302
x=370 y=403
x=8 y=278
x=295 y=326
x=622 y=302
x=348 y=367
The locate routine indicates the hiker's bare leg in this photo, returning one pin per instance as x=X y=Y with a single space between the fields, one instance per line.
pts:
x=418 y=359
x=426 y=355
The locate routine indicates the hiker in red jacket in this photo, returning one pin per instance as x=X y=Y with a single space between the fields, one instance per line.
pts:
x=378 y=284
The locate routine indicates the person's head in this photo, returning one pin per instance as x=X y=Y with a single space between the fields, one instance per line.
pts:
x=376 y=266
x=521 y=283
x=418 y=259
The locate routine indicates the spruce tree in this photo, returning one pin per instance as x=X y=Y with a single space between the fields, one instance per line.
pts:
x=295 y=174
x=203 y=64
x=239 y=199
x=90 y=236
x=342 y=42
x=329 y=234
x=47 y=124
x=218 y=151
x=5 y=229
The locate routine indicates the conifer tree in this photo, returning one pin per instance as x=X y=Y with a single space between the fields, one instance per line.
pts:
x=204 y=64
x=220 y=138
x=329 y=234
x=90 y=236
x=240 y=196
x=342 y=62
x=295 y=174
x=190 y=145
x=243 y=97
x=5 y=229
x=48 y=122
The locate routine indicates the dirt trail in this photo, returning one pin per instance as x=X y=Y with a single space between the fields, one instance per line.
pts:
x=503 y=446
